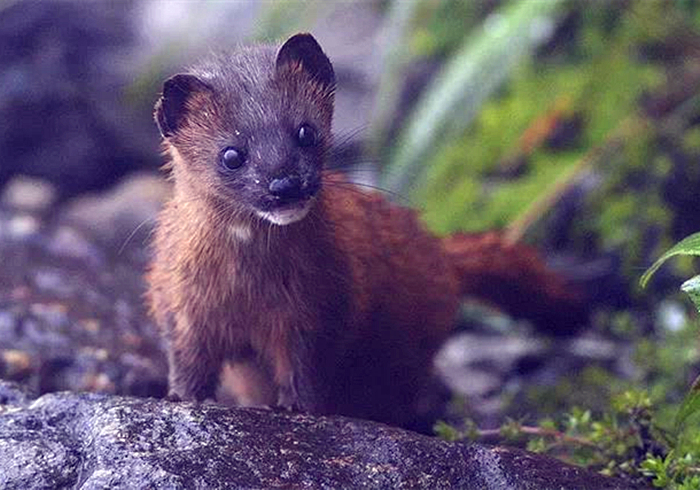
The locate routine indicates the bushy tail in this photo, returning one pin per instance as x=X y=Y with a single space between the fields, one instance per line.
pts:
x=514 y=277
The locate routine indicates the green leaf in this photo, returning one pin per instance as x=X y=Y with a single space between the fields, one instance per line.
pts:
x=690 y=405
x=692 y=288
x=688 y=246
x=445 y=431
x=454 y=97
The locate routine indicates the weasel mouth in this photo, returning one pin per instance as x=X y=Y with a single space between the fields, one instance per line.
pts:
x=287 y=214
x=289 y=199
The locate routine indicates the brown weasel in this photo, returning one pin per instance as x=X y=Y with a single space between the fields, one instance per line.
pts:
x=333 y=298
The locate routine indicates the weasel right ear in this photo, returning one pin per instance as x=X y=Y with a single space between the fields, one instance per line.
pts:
x=172 y=108
x=302 y=50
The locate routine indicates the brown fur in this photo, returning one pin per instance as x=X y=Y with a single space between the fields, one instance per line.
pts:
x=340 y=312
x=358 y=277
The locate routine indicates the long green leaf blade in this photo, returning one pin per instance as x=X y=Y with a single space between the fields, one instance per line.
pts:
x=474 y=73
x=688 y=246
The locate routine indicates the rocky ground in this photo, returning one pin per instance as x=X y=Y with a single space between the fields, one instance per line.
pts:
x=91 y=441
x=71 y=308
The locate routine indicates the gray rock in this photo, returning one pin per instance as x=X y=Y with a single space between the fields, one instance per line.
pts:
x=71 y=311
x=122 y=217
x=87 y=441
x=66 y=115
x=29 y=194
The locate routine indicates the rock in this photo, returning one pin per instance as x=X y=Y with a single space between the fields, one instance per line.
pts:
x=66 y=440
x=65 y=111
x=494 y=361
x=71 y=311
x=474 y=365
x=29 y=194
x=124 y=215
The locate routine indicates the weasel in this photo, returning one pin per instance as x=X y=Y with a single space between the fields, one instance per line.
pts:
x=323 y=297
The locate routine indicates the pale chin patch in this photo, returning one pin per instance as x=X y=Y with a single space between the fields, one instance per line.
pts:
x=283 y=217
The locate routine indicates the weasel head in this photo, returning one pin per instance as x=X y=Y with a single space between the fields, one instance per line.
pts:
x=252 y=129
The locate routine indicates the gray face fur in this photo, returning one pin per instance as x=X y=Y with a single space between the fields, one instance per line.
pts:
x=253 y=128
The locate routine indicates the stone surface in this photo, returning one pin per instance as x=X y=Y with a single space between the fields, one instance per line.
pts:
x=28 y=194
x=71 y=306
x=66 y=114
x=122 y=217
x=88 y=441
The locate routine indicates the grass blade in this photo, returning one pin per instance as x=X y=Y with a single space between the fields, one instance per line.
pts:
x=474 y=73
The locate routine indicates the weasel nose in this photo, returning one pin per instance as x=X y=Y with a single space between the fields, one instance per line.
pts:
x=286 y=188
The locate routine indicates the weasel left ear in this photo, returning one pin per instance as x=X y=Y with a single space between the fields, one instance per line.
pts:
x=172 y=109
x=302 y=49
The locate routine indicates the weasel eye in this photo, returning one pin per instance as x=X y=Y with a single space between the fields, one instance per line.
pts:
x=306 y=136
x=232 y=158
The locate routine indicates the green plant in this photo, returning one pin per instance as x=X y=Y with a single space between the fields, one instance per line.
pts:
x=626 y=439
x=688 y=246
x=456 y=95
x=618 y=443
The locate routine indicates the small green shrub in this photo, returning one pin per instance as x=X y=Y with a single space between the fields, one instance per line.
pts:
x=628 y=439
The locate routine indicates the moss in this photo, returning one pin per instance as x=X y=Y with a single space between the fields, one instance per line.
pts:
x=459 y=176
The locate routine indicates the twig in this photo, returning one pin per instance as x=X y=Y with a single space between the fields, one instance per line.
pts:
x=496 y=435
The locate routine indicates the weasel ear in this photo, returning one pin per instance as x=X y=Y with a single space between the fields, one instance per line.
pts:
x=303 y=50
x=172 y=109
